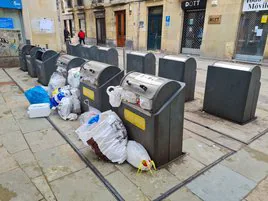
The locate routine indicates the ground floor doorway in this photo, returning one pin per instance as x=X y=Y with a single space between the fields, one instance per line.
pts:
x=252 y=35
x=192 y=35
x=120 y=28
x=69 y=25
x=100 y=28
x=155 y=28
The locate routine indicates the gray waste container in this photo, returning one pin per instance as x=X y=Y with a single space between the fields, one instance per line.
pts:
x=180 y=68
x=45 y=65
x=65 y=62
x=30 y=59
x=232 y=91
x=96 y=77
x=159 y=129
x=89 y=52
x=73 y=49
x=108 y=55
x=141 y=62
x=23 y=51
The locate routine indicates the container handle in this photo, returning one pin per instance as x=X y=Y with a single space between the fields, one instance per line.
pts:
x=143 y=87
x=92 y=71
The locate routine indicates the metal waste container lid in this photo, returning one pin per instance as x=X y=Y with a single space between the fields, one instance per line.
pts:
x=23 y=47
x=157 y=89
x=64 y=59
x=234 y=66
x=34 y=50
x=89 y=46
x=45 y=54
x=98 y=73
x=140 y=53
x=181 y=58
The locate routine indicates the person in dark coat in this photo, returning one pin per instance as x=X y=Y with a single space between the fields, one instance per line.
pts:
x=66 y=35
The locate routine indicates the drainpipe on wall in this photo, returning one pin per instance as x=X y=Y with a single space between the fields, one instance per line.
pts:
x=138 y=25
x=58 y=5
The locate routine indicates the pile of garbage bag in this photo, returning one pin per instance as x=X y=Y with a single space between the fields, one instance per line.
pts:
x=62 y=94
x=103 y=132
x=107 y=136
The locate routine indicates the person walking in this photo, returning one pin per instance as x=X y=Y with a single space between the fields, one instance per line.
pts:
x=81 y=36
x=66 y=35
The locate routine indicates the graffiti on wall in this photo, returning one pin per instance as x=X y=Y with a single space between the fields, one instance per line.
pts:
x=9 y=43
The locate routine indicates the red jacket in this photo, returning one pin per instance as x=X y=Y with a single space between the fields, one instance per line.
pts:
x=81 y=35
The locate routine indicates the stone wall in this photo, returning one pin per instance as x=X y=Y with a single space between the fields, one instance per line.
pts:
x=9 y=43
x=219 y=40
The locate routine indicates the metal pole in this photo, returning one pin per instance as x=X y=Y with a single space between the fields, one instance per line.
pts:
x=124 y=58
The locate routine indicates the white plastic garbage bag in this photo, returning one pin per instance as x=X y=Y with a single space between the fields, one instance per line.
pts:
x=72 y=117
x=115 y=95
x=74 y=77
x=76 y=108
x=75 y=92
x=129 y=97
x=106 y=135
x=138 y=157
x=58 y=94
x=56 y=81
x=65 y=90
x=62 y=70
x=146 y=103
x=65 y=108
x=86 y=116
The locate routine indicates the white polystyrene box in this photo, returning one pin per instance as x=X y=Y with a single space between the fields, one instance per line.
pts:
x=39 y=110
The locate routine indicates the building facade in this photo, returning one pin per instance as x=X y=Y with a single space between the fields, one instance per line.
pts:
x=34 y=21
x=11 y=31
x=224 y=29
x=42 y=23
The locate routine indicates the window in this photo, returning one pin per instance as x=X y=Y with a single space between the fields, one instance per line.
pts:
x=80 y=2
x=69 y=4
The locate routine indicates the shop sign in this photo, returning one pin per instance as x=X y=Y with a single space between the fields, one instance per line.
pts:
x=141 y=24
x=214 y=19
x=12 y=4
x=255 y=5
x=6 y=23
x=193 y=4
x=167 y=21
x=264 y=19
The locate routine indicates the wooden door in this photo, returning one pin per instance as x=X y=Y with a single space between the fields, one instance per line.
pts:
x=120 y=28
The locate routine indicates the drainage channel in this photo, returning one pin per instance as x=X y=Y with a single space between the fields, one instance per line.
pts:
x=114 y=192
x=230 y=137
x=258 y=136
x=217 y=143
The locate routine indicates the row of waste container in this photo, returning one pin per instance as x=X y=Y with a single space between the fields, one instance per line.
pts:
x=231 y=92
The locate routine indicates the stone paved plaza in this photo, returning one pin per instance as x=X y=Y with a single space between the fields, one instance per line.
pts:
x=43 y=159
